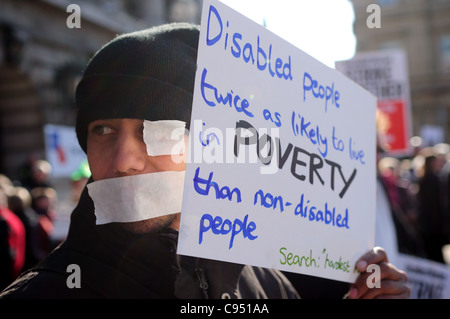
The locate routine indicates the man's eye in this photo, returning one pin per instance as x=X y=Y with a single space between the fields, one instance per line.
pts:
x=102 y=130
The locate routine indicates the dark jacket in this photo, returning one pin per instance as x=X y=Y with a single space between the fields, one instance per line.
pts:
x=115 y=264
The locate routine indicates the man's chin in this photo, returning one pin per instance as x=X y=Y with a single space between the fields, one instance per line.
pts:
x=153 y=225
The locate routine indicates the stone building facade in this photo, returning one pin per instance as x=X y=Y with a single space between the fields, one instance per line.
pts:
x=42 y=59
x=422 y=29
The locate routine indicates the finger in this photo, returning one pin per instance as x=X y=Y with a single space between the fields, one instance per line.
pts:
x=385 y=270
x=372 y=278
x=365 y=280
x=389 y=289
x=395 y=274
x=374 y=256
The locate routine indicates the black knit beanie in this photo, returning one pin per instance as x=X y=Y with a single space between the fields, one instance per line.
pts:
x=147 y=74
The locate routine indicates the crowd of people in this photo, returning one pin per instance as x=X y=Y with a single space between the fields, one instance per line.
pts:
x=27 y=213
x=418 y=190
x=28 y=209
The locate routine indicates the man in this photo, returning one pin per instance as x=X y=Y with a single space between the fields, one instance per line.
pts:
x=147 y=75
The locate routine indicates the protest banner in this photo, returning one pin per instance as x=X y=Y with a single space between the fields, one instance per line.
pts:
x=385 y=74
x=281 y=155
x=427 y=279
x=62 y=150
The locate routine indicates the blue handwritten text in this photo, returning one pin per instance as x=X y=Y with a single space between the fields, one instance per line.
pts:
x=221 y=192
x=319 y=91
x=219 y=226
x=248 y=51
x=241 y=105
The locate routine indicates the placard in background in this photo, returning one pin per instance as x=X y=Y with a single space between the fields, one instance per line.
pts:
x=385 y=74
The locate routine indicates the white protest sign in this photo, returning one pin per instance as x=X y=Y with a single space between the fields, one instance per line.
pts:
x=385 y=74
x=428 y=279
x=281 y=156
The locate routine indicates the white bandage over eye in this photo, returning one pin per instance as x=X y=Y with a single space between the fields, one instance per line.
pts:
x=164 y=137
x=138 y=197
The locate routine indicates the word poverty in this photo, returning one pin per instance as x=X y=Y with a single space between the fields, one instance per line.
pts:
x=304 y=164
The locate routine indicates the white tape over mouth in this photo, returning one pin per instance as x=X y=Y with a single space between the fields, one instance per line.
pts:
x=138 y=197
x=165 y=137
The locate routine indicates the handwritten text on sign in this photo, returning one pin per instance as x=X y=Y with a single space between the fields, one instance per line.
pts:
x=281 y=159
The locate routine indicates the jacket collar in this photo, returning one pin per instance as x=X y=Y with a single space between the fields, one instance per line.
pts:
x=212 y=279
x=147 y=265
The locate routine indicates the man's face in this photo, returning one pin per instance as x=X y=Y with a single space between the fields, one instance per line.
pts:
x=115 y=148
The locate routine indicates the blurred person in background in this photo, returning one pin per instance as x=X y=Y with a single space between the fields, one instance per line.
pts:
x=37 y=227
x=39 y=175
x=402 y=205
x=43 y=201
x=12 y=243
x=430 y=206
x=443 y=151
x=24 y=171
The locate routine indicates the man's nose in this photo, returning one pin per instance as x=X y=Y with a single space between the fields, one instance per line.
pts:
x=130 y=155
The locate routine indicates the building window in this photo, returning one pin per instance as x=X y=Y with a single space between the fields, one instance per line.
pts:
x=444 y=48
x=386 y=2
x=184 y=11
x=391 y=45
